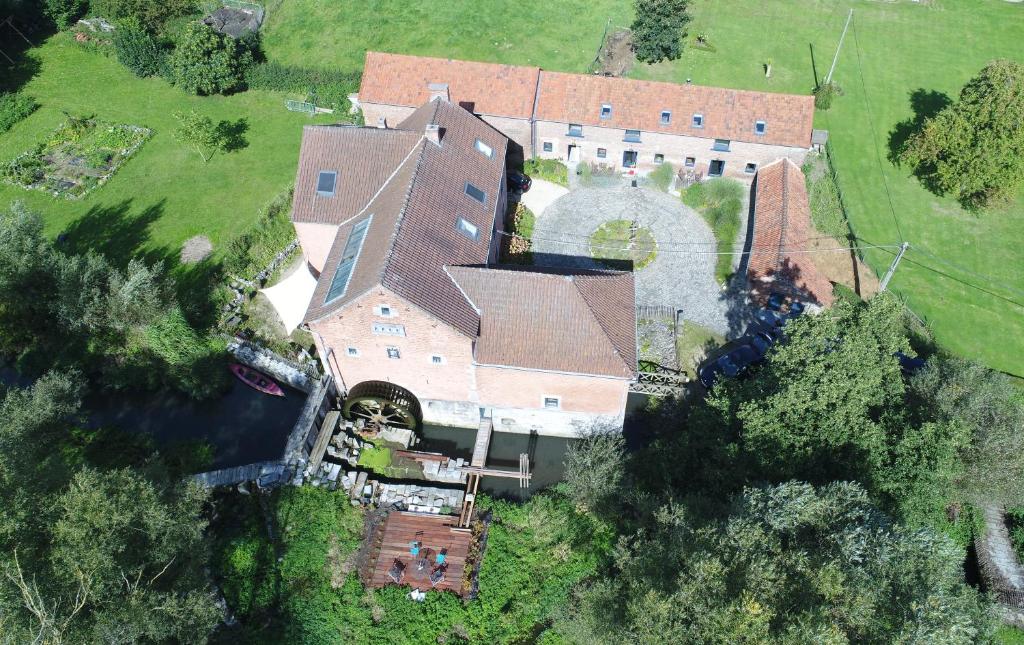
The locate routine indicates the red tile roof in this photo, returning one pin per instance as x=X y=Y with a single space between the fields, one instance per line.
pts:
x=484 y=88
x=553 y=319
x=506 y=90
x=637 y=105
x=412 y=234
x=782 y=225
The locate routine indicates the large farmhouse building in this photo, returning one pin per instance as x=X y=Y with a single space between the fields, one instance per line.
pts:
x=623 y=123
x=402 y=225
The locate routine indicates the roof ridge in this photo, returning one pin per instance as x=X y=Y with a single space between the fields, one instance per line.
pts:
x=784 y=216
x=422 y=146
x=600 y=323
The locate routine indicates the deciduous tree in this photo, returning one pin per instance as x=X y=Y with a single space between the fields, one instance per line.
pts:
x=974 y=148
x=658 y=29
x=207 y=62
x=200 y=132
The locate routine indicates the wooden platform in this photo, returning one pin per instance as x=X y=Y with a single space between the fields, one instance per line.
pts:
x=434 y=532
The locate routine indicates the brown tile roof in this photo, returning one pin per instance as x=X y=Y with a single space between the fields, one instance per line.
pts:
x=552 y=319
x=500 y=90
x=413 y=234
x=364 y=158
x=782 y=225
x=637 y=105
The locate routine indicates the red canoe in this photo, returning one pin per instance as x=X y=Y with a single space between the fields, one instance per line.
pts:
x=257 y=380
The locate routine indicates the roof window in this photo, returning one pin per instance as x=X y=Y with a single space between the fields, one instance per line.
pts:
x=339 y=283
x=325 y=182
x=666 y=117
x=484 y=149
x=476 y=193
x=698 y=120
x=606 y=110
x=467 y=228
x=759 y=127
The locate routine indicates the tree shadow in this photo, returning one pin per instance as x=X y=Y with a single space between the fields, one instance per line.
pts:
x=111 y=231
x=22 y=27
x=925 y=105
x=232 y=133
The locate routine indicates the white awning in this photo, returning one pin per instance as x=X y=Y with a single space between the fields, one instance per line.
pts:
x=291 y=297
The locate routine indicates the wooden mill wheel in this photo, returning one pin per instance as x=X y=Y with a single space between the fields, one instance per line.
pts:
x=382 y=404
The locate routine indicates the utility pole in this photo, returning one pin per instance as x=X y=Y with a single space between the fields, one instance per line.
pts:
x=892 y=267
x=828 y=79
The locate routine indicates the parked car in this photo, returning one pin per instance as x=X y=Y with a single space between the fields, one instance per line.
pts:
x=729 y=365
x=770 y=318
x=519 y=181
x=760 y=342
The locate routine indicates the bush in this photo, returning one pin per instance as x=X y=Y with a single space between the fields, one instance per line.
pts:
x=65 y=13
x=206 y=62
x=14 y=106
x=720 y=201
x=194 y=364
x=662 y=176
x=252 y=250
x=658 y=29
x=137 y=49
x=151 y=14
x=824 y=94
x=551 y=170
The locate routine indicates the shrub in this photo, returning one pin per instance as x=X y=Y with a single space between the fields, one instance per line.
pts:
x=824 y=94
x=662 y=176
x=331 y=87
x=547 y=169
x=64 y=13
x=137 y=49
x=14 y=106
x=252 y=250
x=206 y=62
x=151 y=14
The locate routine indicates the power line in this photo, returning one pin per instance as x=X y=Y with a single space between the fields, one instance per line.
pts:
x=874 y=134
x=994 y=282
x=579 y=236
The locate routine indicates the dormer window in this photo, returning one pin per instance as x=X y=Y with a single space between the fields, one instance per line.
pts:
x=759 y=127
x=476 y=193
x=698 y=120
x=484 y=149
x=325 y=182
x=606 y=110
x=467 y=228
x=666 y=117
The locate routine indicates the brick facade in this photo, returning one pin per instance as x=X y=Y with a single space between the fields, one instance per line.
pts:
x=675 y=149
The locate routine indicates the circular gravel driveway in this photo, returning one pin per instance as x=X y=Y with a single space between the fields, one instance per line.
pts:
x=682 y=274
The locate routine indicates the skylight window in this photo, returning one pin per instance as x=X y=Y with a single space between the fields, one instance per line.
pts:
x=476 y=193
x=606 y=110
x=759 y=127
x=325 y=182
x=484 y=149
x=698 y=120
x=348 y=261
x=468 y=229
x=666 y=117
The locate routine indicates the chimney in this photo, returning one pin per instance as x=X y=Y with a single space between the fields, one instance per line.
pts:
x=438 y=91
x=432 y=133
x=382 y=123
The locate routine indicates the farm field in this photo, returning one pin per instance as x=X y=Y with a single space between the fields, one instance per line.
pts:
x=964 y=273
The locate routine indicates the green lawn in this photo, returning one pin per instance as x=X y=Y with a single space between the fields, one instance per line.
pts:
x=163 y=194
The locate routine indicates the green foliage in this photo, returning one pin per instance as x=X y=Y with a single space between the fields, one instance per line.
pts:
x=844 y=292
x=789 y=564
x=551 y=170
x=329 y=87
x=207 y=62
x=14 y=106
x=619 y=244
x=826 y=203
x=137 y=49
x=974 y=148
x=662 y=176
x=658 y=29
x=252 y=250
x=65 y=13
x=720 y=202
x=825 y=94
x=594 y=469
x=151 y=15
x=195 y=364
x=200 y=132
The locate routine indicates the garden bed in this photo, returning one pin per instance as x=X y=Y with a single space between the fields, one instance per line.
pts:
x=77 y=157
x=620 y=244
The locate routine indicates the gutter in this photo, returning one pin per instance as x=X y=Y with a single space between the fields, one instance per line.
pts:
x=533 y=115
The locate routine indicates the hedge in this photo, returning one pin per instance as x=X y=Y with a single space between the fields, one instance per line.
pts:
x=331 y=87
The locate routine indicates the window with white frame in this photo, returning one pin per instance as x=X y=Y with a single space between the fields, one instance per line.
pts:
x=721 y=145
x=552 y=402
x=760 y=127
x=575 y=130
x=467 y=228
x=659 y=158
x=632 y=136
x=549 y=146
x=352 y=351
x=394 y=353
x=666 y=117
x=436 y=359
x=384 y=311
x=691 y=162
x=606 y=110
x=484 y=149
x=750 y=168
x=602 y=153
x=476 y=193
x=698 y=120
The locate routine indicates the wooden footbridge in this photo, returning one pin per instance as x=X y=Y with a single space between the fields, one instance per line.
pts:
x=477 y=469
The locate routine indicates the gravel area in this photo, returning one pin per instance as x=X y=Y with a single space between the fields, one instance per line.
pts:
x=681 y=276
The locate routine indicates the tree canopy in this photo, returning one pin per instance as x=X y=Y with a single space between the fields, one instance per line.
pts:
x=207 y=62
x=973 y=149
x=658 y=29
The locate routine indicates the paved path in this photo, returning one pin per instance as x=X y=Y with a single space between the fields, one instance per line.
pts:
x=541 y=195
x=683 y=273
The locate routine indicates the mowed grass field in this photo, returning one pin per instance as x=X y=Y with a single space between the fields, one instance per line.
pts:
x=164 y=194
x=964 y=274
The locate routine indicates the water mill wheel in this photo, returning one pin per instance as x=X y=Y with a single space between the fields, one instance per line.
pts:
x=379 y=403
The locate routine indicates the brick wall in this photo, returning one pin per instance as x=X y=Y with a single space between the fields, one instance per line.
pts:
x=675 y=149
x=518 y=388
x=425 y=337
x=393 y=114
x=316 y=241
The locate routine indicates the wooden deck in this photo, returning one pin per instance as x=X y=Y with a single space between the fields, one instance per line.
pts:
x=434 y=532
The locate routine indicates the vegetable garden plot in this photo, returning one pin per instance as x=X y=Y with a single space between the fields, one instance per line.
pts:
x=77 y=157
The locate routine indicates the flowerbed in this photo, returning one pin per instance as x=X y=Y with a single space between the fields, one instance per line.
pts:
x=77 y=157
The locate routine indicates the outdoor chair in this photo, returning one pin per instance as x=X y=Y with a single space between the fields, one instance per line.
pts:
x=397 y=571
x=437 y=575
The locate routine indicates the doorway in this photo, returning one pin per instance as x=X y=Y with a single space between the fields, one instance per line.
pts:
x=717 y=168
x=629 y=159
x=574 y=153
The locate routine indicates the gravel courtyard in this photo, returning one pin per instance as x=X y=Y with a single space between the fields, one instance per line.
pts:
x=682 y=274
